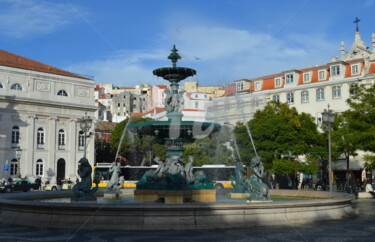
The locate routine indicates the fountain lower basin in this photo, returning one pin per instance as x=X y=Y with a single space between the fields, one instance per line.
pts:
x=19 y=209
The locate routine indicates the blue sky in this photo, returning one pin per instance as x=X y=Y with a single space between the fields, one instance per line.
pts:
x=122 y=41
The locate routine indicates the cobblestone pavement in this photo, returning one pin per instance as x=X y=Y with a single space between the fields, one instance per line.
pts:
x=360 y=227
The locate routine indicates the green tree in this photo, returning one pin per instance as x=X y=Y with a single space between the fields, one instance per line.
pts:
x=344 y=140
x=280 y=135
x=361 y=119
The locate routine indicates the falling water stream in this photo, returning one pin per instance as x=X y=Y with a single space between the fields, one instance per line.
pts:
x=246 y=124
x=123 y=136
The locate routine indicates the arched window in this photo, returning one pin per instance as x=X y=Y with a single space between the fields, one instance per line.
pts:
x=40 y=138
x=320 y=94
x=15 y=136
x=39 y=168
x=336 y=92
x=62 y=93
x=304 y=97
x=290 y=97
x=13 y=167
x=81 y=140
x=61 y=140
x=1 y=85
x=16 y=87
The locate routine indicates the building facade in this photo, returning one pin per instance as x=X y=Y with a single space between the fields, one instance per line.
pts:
x=309 y=90
x=40 y=109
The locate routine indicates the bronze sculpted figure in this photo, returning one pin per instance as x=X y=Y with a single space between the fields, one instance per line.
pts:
x=82 y=190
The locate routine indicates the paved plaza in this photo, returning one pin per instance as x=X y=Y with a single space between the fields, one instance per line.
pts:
x=360 y=227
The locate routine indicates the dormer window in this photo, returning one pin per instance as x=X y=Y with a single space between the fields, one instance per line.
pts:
x=257 y=86
x=335 y=70
x=240 y=86
x=289 y=78
x=322 y=75
x=355 y=69
x=306 y=77
x=278 y=82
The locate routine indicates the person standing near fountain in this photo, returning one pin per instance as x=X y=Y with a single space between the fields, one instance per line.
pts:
x=273 y=181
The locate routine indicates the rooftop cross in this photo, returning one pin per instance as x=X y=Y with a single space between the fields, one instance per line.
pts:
x=174 y=56
x=356 y=22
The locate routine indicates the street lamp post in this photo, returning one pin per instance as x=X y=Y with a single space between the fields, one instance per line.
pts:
x=85 y=125
x=328 y=118
x=18 y=156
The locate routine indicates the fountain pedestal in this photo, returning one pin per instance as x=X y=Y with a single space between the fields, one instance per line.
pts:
x=175 y=196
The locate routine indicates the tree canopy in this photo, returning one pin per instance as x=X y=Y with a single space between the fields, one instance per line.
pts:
x=280 y=135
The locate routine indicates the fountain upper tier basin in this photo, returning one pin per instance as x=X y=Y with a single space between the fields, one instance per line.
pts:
x=174 y=73
x=184 y=131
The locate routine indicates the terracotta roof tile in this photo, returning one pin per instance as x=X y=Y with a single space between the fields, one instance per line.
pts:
x=17 y=61
x=105 y=126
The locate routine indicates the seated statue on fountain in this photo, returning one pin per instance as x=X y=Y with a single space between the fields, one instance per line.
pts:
x=240 y=182
x=82 y=190
x=256 y=187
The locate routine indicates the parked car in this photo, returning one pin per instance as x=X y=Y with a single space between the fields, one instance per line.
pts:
x=65 y=185
x=23 y=185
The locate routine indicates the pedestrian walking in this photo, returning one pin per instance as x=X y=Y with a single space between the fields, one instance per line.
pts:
x=273 y=181
x=352 y=185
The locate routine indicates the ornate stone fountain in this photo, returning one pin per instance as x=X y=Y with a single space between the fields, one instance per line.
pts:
x=174 y=180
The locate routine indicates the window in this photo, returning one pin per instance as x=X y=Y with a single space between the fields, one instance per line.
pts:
x=15 y=136
x=196 y=96
x=304 y=97
x=277 y=82
x=1 y=85
x=62 y=93
x=306 y=77
x=13 y=167
x=320 y=94
x=290 y=97
x=336 y=92
x=257 y=86
x=196 y=104
x=353 y=90
x=239 y=86
x=289 y=79
x=81 y=140
x=118 y=104
x=205 y=96
x=39 y=168
x=61 y=140
x=276 y=98
x=335 y=70
x=16 y=87
x=40 y=138
x=355 y=70
x=322 y=75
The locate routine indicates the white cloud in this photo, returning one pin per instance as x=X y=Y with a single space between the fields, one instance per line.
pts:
x=24 y=18
x=226 y=54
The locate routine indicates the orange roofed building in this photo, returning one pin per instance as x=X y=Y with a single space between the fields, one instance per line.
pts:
x=309 y=90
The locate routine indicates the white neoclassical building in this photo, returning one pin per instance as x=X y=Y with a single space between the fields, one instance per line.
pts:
x=40 y=107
